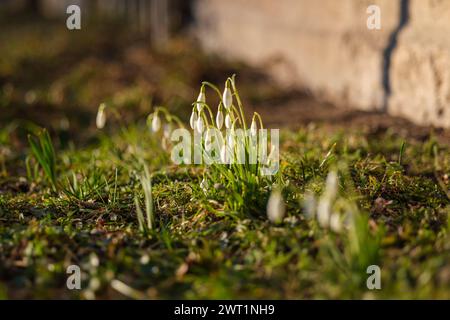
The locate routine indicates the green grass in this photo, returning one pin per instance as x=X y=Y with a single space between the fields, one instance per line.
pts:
x=200 y=249
x=85 y=189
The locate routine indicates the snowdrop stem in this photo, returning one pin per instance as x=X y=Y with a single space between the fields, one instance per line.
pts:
x=258 y=116
x=209 y=84
x=235 y=113
x=211 y=115
x=205 y=118
x=238 y=99
x=167 y=115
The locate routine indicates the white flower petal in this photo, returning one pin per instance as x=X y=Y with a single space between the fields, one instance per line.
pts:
x=228 y=121
x=219 y=119
x=276 y=207
x=156 y=123
x=193 y=120
x=100 y=120
x=227 y=98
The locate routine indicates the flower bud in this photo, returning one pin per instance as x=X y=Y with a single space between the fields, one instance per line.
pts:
x=204 y=185
x=253 y=128
x=227 y=98
x=193 y=119
x=223 y=154
x=276 y=207
x=101 y=117
x=201 y=98
x=228 y=121
x=156 y=122
x=219 y=119
x=200 y=124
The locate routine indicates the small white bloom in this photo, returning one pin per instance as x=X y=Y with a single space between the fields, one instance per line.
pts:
x=101 y=117
x=223 y=154
x=323 y=212
x=228 y=121
x=167 y=130
x=309 y=205
x=219 y=119
x=276 y=207
x=230 y=139
x=193 y=119
x=204 y=185
x=335 y=222
x=200 y=125
x=201 y=98
x=253 y=128
x=156 y=122
x=208 y=136
x=331 y=187
x=227 y=98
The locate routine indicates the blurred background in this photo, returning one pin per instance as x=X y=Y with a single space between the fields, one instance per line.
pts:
x=317 y=61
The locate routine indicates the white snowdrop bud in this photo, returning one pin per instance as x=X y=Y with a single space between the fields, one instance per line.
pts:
x=276 y=207
x=156 y=122
x=223 y=154
x=253 y=128
x=331 y=187
x=227 y=98
x=208 y=136
x=200 y=125
x=101 y=117
x=219 y=119
x=309 y=205
x=335 y=222
x=204 y=185
x=323 y=212
x=230 y=139
x=193 y=119
x=228 y=121
x=201 y=98
x=167 y=130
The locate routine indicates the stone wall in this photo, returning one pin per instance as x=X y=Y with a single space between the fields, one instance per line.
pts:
x=325 y=46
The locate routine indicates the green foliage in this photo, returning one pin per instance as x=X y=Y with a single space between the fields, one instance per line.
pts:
x=44 y=153
x=146 y=224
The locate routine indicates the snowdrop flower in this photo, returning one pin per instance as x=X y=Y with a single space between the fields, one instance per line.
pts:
x=201 y=98
x=331 y=185
x=230 y=139
x=101 y=117
x=335 y=222
x=227 y=98
x=219 y=118
x=167 y=130
x=156 y=122
x=204 y=185
x=276 y=207
x=208 y=143
x=253 y=128
x=199 y=124
x=223 y=154
x=309 y=205
x=193 y=119
x=228 y=121
x=323 y=212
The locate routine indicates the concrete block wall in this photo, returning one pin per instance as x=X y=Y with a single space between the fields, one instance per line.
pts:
x=325 y=46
